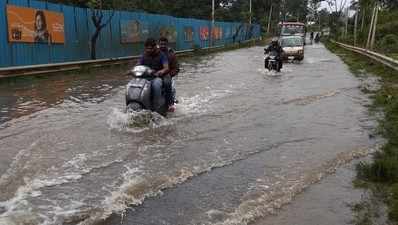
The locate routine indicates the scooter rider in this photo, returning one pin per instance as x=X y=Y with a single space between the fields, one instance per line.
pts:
x=157 y=61
x=274 y=46
x=173 y=71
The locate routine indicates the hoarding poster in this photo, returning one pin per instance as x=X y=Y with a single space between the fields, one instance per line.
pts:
x=130 y=31
x=144 y=30
x=217 y=33
x=34 y=25
x=170 y=33
x=204 y=33
x=188 y=34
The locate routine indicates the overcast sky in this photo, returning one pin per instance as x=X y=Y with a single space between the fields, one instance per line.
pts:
x=339 y=2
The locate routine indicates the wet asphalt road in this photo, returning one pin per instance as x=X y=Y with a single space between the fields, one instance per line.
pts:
x=242 y=143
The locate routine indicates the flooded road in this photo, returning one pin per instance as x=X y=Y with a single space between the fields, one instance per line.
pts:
x=242 y=143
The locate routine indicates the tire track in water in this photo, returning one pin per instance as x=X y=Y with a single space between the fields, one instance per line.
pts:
x=268 y=196
x=278 y=194
x=135 y=192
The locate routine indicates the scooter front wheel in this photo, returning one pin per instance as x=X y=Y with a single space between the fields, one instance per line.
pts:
x=134 y=107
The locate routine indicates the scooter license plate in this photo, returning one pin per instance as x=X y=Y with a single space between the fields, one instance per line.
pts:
x=290 y=57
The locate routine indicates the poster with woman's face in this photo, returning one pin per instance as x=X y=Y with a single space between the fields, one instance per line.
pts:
x=130 y=31
x=34 y=25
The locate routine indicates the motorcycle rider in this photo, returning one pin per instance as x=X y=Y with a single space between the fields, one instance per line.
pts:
x=173 y=71
x=317 y=37
x=157 y=61
x=274 y=47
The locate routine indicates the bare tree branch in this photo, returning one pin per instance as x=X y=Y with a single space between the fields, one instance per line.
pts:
x=330 y=7
x=342 y=6
x=108 y=20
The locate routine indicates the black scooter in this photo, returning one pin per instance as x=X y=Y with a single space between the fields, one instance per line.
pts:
x=271 y=61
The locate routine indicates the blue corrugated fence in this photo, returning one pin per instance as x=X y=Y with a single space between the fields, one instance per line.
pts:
x=78 y=29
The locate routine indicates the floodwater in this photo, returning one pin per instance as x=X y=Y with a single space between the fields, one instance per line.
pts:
x=242 y=143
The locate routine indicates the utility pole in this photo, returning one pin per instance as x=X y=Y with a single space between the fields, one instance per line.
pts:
x=346 y=24
x=250 y=12
x=283 y=11
x=269 y=20
x=212 y=23
x=319 y=20
x=212 y=11
x=355 y=27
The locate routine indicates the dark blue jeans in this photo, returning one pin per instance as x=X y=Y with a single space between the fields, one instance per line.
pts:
x=156 y=85
x=167 y=82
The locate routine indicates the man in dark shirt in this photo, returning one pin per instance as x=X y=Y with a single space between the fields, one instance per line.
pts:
x=275 y=47
x=157 y=61
x=173 y=70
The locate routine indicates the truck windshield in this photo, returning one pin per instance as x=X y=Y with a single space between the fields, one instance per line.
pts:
x=292 y=29
x=291 y=42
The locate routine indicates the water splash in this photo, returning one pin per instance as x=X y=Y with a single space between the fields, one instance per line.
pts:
x=200 y=103
x=135 y=122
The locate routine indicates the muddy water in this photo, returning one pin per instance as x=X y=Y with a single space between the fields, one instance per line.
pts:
x=242 y=143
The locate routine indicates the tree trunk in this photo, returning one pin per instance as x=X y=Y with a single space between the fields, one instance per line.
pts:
x=269 y=20
x=96 y=18
x=370 y=28
x=363 y=19
x=372 y=42
x=94 y=39
x=355 y=28
x=346 y=26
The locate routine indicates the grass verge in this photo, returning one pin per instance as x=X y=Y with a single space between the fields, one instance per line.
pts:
x=394 y=55
x=381 y=175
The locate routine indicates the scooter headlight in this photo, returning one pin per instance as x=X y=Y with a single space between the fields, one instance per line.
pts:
x=139 y=70
x=138 y=74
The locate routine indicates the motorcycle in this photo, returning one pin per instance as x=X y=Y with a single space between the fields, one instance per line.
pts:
x=138 y=92
x=271 y=61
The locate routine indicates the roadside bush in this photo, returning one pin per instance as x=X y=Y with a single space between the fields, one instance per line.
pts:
x=393 y=210
x=390 y=27
x=389 y=43
x=384 y=169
